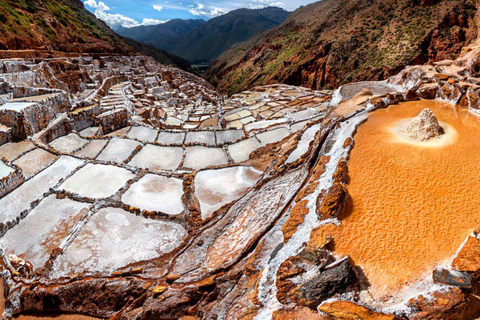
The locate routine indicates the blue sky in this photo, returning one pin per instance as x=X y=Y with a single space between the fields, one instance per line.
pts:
x=130 y=13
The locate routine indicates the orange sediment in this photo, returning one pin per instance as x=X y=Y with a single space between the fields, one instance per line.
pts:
x=412 y=206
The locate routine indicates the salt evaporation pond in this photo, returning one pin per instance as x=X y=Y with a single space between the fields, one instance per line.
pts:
x=118 y=150
x=97 y=181
x=412 y=206
x=156 y=193
x=107 y=242
x=199 y=157
x=157 y=158
x=214 y=188
x=5 y=170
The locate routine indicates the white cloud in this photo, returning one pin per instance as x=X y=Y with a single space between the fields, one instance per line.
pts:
x=259 y=4
x=99 y=6
x=157 y=7
x=201 y=10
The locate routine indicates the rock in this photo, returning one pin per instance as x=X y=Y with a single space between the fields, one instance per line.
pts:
x=296 y=218
x=468 y=259
x=454 y=278
x=334 y=201
x=428 y=91
x=350 y=311
x=171 y=278
x=338 y=277
x=424 y=127
x=451 y=303
x=158 y=290
x=299 y=313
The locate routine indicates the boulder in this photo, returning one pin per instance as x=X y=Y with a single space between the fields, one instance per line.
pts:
x=452 y=277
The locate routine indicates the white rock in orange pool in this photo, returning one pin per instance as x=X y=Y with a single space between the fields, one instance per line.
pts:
x=424 y=127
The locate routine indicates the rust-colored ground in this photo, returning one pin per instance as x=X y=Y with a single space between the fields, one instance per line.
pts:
x=40 y=317
x=412 y=206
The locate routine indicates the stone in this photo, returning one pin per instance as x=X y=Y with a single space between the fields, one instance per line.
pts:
x=347 y=310
x=452 y=277
x=337 y=277
x=332 y=204
x=424 y=127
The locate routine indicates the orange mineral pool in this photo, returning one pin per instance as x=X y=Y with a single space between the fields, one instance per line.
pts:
x=412 y=205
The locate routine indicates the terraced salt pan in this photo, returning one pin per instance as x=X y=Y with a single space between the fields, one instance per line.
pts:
x=16 y=106
x=428 y=204
x=109 y=241
x=143 y=134
x=199 y=157
x=272 y=136
x=156 y=193
x=68 y=143
x=89 y=132
x=214 y=188
x=201 y=137
x=20 y=199
x=304 y=114
x=229 y=136
x=174 y=138
x=43 y=229
x=157 y=158
x=240 y=151
x=118 y=150
x=304 y=143
x=5 y=170
x=97 y=181
x=92 y=149
x=12 y=151
x=34 y=161
x=264 y=124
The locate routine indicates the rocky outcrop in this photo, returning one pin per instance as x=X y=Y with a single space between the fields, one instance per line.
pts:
x=348 y=310
x=424 y=127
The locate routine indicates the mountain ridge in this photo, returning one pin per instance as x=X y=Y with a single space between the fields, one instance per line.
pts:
x=329 y=43
x=204 y=42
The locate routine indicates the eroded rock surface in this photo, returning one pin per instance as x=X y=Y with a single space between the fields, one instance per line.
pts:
x=424 y=127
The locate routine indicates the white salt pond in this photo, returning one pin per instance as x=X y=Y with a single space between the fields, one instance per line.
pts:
x=272 y=136
x=97 y=181
x=34 y=161
x=175 y=138
x=304 y=143
x=118 y=150
x=20 y=199
x=16 y=106
x=43 y=229
x=201 y=137
x=12 y=150
x=229 y=136
x=200 y=157
x=240 y=151
x=214 y=188
x=143 y=134
x=92 y=149
x=156 y=193
x=68 y=143
x=107 y=242
x=157 y=158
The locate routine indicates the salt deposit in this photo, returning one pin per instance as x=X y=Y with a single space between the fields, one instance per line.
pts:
x=214 y=188
x=156 y=193
x=97 y=181
x=118 y=150
x=200 y=157
x=143 y=134
x=240 y=151
x=68 y=143
x=157 y=158
x=32 y=162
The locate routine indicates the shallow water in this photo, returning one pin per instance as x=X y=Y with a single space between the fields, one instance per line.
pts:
x=412 y=206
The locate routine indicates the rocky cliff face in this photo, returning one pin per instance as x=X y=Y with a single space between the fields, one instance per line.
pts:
x=332 y=42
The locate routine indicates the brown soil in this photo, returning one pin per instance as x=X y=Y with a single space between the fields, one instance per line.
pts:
x=40 y=317
x=411 y=206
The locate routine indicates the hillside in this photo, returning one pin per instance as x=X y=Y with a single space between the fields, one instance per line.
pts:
x=163 y=35
x=205 y=42
x=66 y=26
x=332 y=42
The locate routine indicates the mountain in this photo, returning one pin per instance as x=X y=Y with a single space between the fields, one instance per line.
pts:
x=163 y=35
x=332 y=42
x=203 y=42
x=66 y=26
